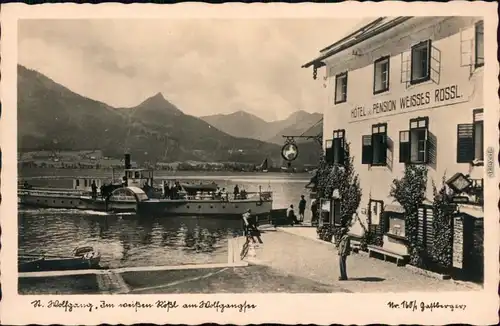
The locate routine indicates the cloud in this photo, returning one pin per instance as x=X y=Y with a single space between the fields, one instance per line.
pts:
x=202 y=66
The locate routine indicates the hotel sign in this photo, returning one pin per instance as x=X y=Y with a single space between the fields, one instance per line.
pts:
x=417 y=101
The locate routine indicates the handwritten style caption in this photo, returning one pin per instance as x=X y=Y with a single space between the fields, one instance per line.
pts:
x=69 y=306
x=425 y=306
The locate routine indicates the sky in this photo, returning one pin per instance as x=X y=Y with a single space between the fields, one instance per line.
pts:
x=204 y=67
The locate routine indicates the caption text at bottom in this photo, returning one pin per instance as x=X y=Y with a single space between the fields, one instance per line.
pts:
x=69 y=306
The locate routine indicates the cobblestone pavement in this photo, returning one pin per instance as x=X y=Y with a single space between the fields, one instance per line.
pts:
x=318 y=261
x=251 y=279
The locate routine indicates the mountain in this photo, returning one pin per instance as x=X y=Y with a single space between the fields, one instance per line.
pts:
x=243 y=124
x=239 y=124
x=298 y=123
x=52 y=117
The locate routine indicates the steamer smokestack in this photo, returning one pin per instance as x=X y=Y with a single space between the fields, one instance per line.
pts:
x=127 y=161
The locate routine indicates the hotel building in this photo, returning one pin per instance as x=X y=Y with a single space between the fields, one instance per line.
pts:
x=405 y=90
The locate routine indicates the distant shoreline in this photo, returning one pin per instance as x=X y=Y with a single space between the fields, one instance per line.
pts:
x=55 y=173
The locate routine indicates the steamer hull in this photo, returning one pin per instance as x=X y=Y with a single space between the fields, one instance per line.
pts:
x=204 y=207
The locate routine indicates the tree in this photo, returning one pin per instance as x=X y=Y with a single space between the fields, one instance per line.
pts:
x=409 y=192
x=344 y=178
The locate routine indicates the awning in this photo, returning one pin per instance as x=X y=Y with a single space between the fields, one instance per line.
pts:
x=473 y=211
x=394 y=209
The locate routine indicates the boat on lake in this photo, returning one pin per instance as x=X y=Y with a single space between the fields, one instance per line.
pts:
x=138 y=193
x=83 y=258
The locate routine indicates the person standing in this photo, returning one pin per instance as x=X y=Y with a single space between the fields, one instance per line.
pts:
x=166 y=190
x=236 y=191
x=314 y=212
x=290 y=214
x=101 y=189
x=344 y=250
x=302 y=208
x=93 y=186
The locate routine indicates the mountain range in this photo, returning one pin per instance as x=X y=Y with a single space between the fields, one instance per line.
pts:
x=52 y=117
x=243 y=124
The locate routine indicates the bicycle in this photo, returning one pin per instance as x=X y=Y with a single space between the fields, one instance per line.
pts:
x=250 y=233
x=246 y=246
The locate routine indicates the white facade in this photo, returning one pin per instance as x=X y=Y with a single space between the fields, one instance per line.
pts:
x=380 y=96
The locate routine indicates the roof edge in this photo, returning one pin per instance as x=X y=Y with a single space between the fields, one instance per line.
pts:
x=318 y=62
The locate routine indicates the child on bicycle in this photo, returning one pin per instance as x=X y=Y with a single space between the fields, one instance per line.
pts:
x=250 y=226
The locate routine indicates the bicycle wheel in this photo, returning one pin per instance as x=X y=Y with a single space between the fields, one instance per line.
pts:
x=244 y=250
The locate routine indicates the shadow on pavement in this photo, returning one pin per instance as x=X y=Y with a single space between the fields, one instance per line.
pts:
x=367 y=279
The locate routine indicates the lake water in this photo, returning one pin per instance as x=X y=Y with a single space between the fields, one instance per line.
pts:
x=130 y=240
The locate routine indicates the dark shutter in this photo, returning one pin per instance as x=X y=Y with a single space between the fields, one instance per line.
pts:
x=329 y=155
x=366 y=153
x=404 y=146
x=465 y=143
x=342 y=151
x=379 y=143
x=336 y=150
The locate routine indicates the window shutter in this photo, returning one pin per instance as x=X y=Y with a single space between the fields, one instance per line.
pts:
x=337 y=148
x=383 y=147
x=426 y=146
x=366 y=153
x=404 y=146
x=342 y=151
x=465 y=143
x=329 y=151
x=329 y=155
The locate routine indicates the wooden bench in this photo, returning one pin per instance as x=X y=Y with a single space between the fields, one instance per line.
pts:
x=355 y=242
x=400 y=259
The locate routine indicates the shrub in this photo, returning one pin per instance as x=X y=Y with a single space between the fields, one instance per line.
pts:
x=409 y=192
x=443 y=208
x=325 y=232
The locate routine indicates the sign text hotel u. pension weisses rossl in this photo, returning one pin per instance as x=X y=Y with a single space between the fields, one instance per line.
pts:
x=418 y=101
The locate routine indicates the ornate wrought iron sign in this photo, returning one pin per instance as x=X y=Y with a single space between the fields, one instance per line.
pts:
x=290 y=151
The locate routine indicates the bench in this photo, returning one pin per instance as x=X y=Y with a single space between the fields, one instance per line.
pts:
x=355 y=242
x=400 y=259
x=355 y=245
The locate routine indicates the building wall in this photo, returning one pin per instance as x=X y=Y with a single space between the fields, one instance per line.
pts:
x=452 y=65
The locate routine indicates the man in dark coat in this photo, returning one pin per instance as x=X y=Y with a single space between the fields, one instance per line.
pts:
x=344 y=250
x=236 y=192
x=93 y=186
x=302 y=208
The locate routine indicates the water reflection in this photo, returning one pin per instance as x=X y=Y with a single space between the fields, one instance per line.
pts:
x=127 y=240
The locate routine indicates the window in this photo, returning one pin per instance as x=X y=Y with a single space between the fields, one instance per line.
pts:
x=470 y=139
x=77 y=183
x=341 y=88
x=375 y=211
x=420 y=62
x=338 y=146
x=479 y=44
x=374 y=147
x=381 y=75
x=413 y=143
